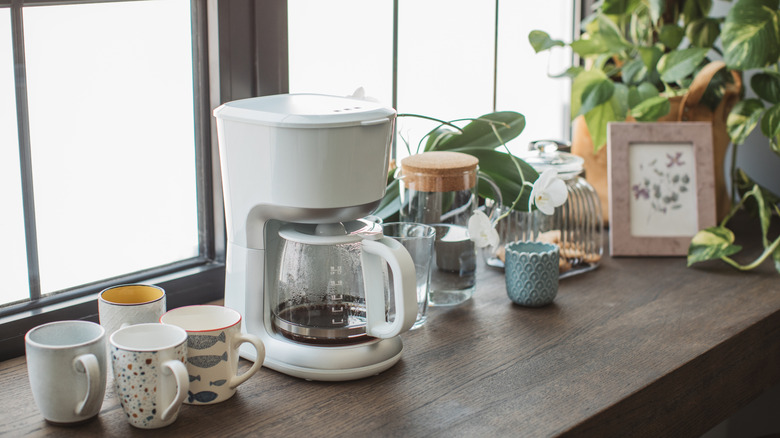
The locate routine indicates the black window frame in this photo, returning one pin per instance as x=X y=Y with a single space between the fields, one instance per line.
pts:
x=221 y=73
x=241 y=51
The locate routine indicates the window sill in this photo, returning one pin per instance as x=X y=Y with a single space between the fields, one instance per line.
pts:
x=193 y=285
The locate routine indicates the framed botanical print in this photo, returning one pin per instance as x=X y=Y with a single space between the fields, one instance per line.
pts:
x=661 y=186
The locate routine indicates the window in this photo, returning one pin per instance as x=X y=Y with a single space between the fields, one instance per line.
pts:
x=453 y=58
x=180 y=59
x=105 y=156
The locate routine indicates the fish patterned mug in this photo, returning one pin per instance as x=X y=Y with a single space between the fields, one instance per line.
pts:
x=214 y=335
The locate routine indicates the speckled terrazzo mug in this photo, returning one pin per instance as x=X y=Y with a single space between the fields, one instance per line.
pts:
x=150 y=377
x=531 y=270
x=214 y=335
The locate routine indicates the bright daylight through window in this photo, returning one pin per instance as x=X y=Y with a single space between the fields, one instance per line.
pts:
x=445 y=65
x=111 y=138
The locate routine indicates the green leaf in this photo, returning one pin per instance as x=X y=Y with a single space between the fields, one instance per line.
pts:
x=657 y=8
x=588 y=47
x=647 y=90
x=770 y=123
x=745 y=186
x=578 y=86
x=767 y=86
x=764 y=212
x=615 y=109
x=500 y=167
x=439 y=134
x=703 y=32
x=637 y=95
x=743 y=118
x=679 y=64
x=651 y=109
x=611 y=35
x=650 y=56
x=695 y=9
x=633 y=96
x=595 y=94
x=479 y=134
x=541 y=40
x=597 y=120
x=570 y=72
x=776 y=258
x=751 y=34
x=619 y=101
x=671 y=35
x=618 y=7
x=633 y=71
x=710 y=244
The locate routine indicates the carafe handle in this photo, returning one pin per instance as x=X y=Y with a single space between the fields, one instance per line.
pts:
x=374 y=253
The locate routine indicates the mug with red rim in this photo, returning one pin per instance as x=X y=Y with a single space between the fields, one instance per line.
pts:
x=213 y=339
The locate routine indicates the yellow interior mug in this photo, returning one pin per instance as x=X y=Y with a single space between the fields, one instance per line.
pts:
x=130 y=304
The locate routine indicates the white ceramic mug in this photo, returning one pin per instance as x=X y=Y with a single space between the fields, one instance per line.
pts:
x=66 y=364
x=149 y=373
x=128 y=304
x=212 y=351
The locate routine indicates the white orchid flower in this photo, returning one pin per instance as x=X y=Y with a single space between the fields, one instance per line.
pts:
x=481 y=231
x=548 y=192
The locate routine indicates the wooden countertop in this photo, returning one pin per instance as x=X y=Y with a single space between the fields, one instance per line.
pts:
x=641 y=347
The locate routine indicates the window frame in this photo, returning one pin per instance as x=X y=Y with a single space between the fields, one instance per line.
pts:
x=192 y=281
x=241 y=51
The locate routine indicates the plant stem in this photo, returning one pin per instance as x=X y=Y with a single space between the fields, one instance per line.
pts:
x=733 y=172
x=523 y=184
x=431 y=118
x=767 y=252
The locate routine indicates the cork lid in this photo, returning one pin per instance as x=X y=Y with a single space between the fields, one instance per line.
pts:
x=439 y=171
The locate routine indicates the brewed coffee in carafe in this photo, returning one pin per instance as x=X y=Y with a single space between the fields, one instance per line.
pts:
x=319 y=297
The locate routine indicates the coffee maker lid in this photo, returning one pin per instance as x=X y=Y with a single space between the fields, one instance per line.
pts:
x=305 y=111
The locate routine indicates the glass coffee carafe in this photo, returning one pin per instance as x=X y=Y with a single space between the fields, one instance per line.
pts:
x=332 y=284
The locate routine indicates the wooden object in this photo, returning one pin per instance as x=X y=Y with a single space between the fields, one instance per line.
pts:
x=640 y=347
x=439 y=171
x=697 y=204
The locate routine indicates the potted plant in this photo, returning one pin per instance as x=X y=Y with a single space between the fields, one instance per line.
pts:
x=479 y=137
x=638 y=66
x=751 y=41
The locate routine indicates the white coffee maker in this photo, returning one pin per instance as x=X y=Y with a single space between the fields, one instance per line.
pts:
x=299 y=172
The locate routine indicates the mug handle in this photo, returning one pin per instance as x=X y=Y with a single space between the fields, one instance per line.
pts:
x=88 y=364
x=258 y=344
x=404 y=281
x=179 y=371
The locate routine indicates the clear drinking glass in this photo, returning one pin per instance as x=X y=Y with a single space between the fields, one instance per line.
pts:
x=418 y=240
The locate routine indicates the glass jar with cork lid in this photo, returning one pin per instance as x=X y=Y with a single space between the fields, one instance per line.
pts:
x=439 y=188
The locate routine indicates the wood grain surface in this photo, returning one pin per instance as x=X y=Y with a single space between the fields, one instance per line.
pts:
x=639 y=347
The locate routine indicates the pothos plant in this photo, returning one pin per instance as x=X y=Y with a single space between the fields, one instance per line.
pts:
x=521 y=186
x=636 y=58
x=751 y=41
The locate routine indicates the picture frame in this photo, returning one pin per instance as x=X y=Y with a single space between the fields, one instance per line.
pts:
x=661 y=186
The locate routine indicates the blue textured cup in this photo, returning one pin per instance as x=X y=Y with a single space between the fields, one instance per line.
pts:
x=531 y=270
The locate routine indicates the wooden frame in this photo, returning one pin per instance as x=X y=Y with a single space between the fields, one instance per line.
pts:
x=661 y=186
